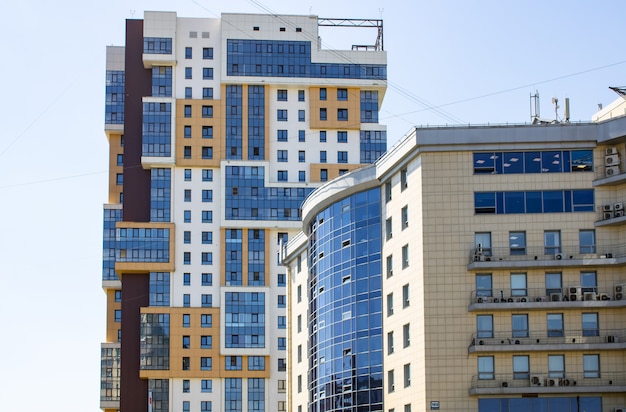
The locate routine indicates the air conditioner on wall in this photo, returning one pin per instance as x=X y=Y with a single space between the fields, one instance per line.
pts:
x=536 y=380
x=559 y=256
x=618 y=206
x=608 y=207
x=575 y=293
x=553 y=382
x=607 y=215
x=589 y=296
x=556 y=297
x=610 y=151
x=612 y=170
x=619 y=410
x=611 y=160
x=619 y=213
x=619 y=291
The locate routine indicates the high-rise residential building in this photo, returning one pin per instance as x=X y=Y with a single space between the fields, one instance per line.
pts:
x=218 y=130
x=474 y=268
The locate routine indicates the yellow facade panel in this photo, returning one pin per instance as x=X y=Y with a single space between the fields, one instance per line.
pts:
x=197 y=121
x=333 y=170
x=332 y=106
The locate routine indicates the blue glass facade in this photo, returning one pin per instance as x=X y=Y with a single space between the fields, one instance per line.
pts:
x=571 y=404
x=245 y=320
x=162 y=81
x=549 y=161
x=159 y=289
x=256 y=123
x=232 y=395
x=154 y=346
x=109 y=243
x=373 y=143
x=280 y=58
x=157 y=45
x=157 y=125
x=547 y=201
x=234 y=250
x=256 y=394
x=256 y=257
x=160 y=194
x=369 y=106
x=233 y=121
x=114 y=93
x=143 y=245
x=345 y=295
x=254 y=201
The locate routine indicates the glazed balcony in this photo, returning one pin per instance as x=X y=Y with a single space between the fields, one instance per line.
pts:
x=547 y=299
x=110 y=355
x=546 y=257
x=561 y=340
x=575 y=382
x=144 y=247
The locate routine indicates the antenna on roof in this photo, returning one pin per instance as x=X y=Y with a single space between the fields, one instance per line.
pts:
x=555 y=102
x=534 y=109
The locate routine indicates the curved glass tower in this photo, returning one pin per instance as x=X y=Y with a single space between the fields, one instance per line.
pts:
x=345 y=312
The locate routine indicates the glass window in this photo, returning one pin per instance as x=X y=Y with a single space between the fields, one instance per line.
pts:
x=590 y=324
x=389 y=343
x=322 y=156
x=207 y=111
x=482 y=242
x=207 y=53
x=206 y=342
x=282 y=115
x=406 y=301
x=187 y=72
x=302 y=176
x=591 y=366
x=483 y=284
x=406 y=335
x=407 y=375
x=207 y=93
x=187 y=175
x=521 y=367
x=186 y=320
x=553 y=283
x=322 y=93
x=484 y=326
x=186 y=342
x=282 y=176
x=323 y=114
x=301 y=136
x=342 y=157
x=552 y=242
x=301 y=115
x=391 y=386
x=300 y=95
x=342 y=94
x=582 y=160
x=342 y=137
x=404 y=182
x=207 y=385
x=281 y=155
x=207 y=279
x=323 y=175
x=390 y=304
x=556 y=366
x=342 y=114
x=589 y=282
x=186 y=385
x=187 y=110
x=281 y=95
x=206 y=363
x=187 y=236
x=555 y=324
x=517 y=243
x=405 y=256
x=188 y=93
x=587 y=241
x=405 y=217
x=519 y=326
x=186 y=279
x=518 y=284
x=486 y=367
x=322 y=136
x=389 y=265
x=206 y=321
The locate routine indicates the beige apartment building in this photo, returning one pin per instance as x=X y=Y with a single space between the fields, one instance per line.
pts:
x=473 y=268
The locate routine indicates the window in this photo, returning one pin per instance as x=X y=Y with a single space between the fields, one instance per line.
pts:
x=590 y=324
x=405 y=217
x=282 y=155
x=484 y=326
x=322 y=136
x=518 y=284
x=187 y=236
x=553 y=283
x=118 y=295
x=405 y=256
x=282 y=365
x=389 y=266
x=282 y=406
x=187 y=216
x=282 y=343
x=206 y=406
x=552 y=242
x=207 y=152
x=299 y=383
x=282 y=385
x=322 y=93
x=342 y=114
x=403 y=179
x=282 y=176
x=299 y=293
x=555 y=324
x=187 y=152
x=407 y=375
x=282 y=301
x=282 y=95
x=323 y=175
x=186 y=279
x=206 y=321
x=587 y=241
x=519 y=326
x=207 y=93
x=233 y=363
x=521 y=367
x=207 y=53
x=301 y=115
x=589 y=282
x=300 y=95
x=186 y=385
x=342 y=157
x=388 y=228
x=186 y=320
x=207 y=279
x=342 y=94
x=391 y=387
x=207 y=196
x=405 y=296
x=390 y=304
x=187 y=110
x=517 y=243
x=207 y=300
x=591 y=366
x=207 y=216
x=556 y=366
x=186 y=300
x=406 y=335
x=207 y=112
x=483 y=284
x=185 y=406
x=187 y=195
x=186 y=363
x=302 y=176
x=206 y=342
x=256 y=363
x=187 y=258
x=188 y=53
x=323 y=114
x=482 y=243
x=207 y=385
x=206 y=363
x=207 y=238
x=119 y=179
x=342 y=137
x=120 y=160
x=282 y=115
x=187 y=131
x=207 y=258
x=186 y=342
x=486 y=367
x=301 y=136
x=387 y=191
x=207 y=175
x=322 y=156
x=207 y=73
x=282 y=322
x=389 y=343
x=188 y=93
x=118 y=315
x=407 y=407
x=187 y=175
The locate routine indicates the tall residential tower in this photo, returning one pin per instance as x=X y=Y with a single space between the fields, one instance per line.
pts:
x=218 y=130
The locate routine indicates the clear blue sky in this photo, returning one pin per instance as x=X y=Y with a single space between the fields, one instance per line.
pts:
x=488 y=55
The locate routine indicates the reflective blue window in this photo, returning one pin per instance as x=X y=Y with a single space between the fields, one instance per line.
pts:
x=369 y=106
x=156 y=129
x=207 y=175
x=301 y=136
x=207 y=279
x=373 y=144
x=188 y=93
x=245 y=320
x=232 y=395
x=256 y=123
x=549 y=201
x=206 y=342
x=115 y=96
x=342 y=157
x=188 y=53
x=143 y=245
x=207 y=53
x=281 y=115
x=160 y=193
x=207 y=195
x=549 y=161
x=301 y=115
x=188 y=72
x=154 y=341
x=157 y=45
x=207 y=73
x=282 y=135
x=207 y=93
x=323 y=136
x=234 y=121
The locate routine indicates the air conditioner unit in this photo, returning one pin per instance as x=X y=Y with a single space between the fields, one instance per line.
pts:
x=619 y=410
x=607 y=215
x=575 y=293
x=619 y=213
x=603 y=296
x=479 y=249
x=618 y=206
x=553 y=382
x=607 y=208
x=556 y=297
x=612 y=170
x=610 y=151
x=559 y=256
x=537 y=380
x=565 y=382
x=611 y=160
x=589 y=296
x=619 y=291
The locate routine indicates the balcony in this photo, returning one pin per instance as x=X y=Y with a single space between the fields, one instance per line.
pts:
x=542 y=299
x=546 y=257
x=144 y=247
x=604 y=339
x=579 y=382
x=608 y=175
x=110 y=355
x=611 y=217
